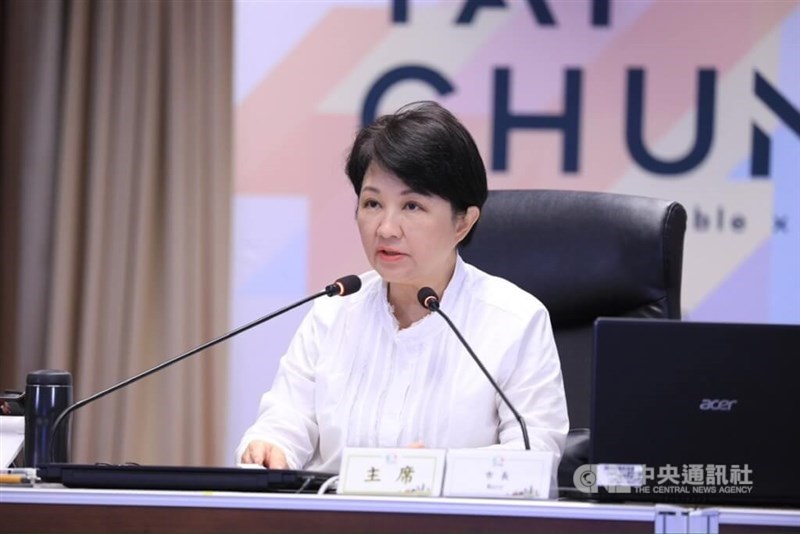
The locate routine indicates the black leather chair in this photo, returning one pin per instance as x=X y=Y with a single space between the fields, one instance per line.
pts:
x=584 y=255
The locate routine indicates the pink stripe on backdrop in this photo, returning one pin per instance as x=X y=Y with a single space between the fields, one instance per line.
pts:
x=537 y=54
x=700 y=35
x=285 y=100
x=670 y=87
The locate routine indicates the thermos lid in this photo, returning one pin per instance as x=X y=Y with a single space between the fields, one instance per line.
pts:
x=49 y=377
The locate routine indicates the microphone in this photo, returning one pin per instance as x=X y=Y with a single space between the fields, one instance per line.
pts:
x=344 y=286
x=429 y=300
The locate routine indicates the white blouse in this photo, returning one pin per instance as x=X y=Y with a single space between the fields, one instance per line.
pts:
x=352 y=378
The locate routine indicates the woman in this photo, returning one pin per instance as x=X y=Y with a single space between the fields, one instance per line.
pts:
x=374 y=369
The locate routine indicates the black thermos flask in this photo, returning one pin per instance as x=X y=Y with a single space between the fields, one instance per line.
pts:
x=48 y=392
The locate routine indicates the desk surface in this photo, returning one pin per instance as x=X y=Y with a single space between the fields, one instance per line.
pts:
x=53 y=508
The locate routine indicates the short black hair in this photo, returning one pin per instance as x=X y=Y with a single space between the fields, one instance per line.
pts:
x=426 y=147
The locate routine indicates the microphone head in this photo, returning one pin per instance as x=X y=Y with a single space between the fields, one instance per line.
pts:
x=346 y=285
x=428 y=298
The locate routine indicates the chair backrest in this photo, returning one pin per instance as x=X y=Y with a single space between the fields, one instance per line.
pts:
x=584 y=255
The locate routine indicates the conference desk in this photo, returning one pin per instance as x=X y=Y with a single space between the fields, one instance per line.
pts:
x=53 y=508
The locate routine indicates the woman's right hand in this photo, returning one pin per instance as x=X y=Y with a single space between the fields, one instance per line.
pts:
x=266 y=454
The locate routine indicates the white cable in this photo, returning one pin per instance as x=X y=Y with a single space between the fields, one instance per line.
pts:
x=327 y=484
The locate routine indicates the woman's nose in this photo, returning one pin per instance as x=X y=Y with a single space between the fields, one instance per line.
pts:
x=389 y=226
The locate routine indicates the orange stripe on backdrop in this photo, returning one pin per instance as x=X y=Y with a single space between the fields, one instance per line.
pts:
x=284 y=102
x=699 y=35
x=334 y=246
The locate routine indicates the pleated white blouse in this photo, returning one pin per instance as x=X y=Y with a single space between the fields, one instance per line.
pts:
x=352 y=378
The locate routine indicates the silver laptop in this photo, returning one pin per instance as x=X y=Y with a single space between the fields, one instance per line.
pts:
x=695 y=412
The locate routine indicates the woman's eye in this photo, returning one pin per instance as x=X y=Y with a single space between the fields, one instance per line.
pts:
x=413 y=206
x=369 y=203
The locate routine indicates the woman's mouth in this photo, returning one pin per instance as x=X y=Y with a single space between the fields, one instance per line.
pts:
x=390 y=255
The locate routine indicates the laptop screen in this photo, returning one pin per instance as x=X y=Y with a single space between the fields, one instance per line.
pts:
x=695 y=412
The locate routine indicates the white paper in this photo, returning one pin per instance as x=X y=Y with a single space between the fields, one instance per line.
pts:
x=12 y=436
x=613 y=475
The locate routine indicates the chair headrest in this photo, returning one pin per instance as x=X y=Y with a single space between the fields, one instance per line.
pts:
x=583 y=254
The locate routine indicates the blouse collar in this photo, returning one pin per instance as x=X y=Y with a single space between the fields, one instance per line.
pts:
x=428 y=325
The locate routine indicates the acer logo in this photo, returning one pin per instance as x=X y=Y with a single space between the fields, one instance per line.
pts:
x=717 y=405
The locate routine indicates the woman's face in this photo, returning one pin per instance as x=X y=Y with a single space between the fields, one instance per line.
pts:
x=408 y=237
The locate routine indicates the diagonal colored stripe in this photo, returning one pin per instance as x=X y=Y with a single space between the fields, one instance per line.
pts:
x=289 y=96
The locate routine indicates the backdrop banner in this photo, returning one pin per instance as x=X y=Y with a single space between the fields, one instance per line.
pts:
x=697 y=102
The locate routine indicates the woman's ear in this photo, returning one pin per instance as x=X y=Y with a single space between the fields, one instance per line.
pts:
x=466 y=221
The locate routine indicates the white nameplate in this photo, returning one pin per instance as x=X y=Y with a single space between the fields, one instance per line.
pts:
x=412 y=472
x=498 y=473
